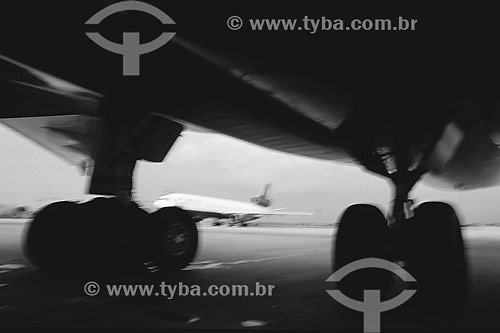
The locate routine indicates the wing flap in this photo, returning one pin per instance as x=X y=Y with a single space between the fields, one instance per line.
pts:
x=70 y=137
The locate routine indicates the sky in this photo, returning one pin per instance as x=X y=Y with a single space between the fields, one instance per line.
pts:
x=220 y=166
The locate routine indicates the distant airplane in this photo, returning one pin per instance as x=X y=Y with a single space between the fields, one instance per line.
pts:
x=236 y=212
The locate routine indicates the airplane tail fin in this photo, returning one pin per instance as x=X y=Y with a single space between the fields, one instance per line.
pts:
x=262 y=197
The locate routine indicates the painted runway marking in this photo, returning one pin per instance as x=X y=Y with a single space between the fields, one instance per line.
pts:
x=209 y=264
x=3 y=285
x=203 y=262
x=253 y=323
x=11 y=266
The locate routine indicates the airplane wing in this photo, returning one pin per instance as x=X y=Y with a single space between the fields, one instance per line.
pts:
x=67 y=120
x=69 y=137
x=356 y=101
x=198 y=208
x=278 y=211
x=54 y=113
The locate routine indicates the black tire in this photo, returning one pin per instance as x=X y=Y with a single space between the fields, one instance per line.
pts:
x=175 y=238
x=112 y=236
x=436 y=257
x=362 y=233
x=46 y=236
x=98 y=236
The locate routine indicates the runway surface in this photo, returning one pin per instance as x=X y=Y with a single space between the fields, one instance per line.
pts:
x=296 y=261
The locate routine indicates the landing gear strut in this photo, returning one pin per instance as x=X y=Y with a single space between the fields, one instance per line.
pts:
x=427 y=239
x=109 y=233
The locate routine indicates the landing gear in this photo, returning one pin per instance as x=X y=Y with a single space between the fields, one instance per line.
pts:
x=109 y=235
x=426 y=240
x=235 y=220
x=232 y=220
x=429 y=243
x=175 y=238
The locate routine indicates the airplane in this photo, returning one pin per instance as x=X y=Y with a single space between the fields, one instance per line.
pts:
x=236 y=212
x=408 y=106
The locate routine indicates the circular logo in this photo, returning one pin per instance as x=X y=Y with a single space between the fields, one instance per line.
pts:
x=91 y=288
x=234 y=23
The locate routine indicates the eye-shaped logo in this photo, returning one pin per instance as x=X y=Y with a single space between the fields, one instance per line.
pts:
x=371 y=306
x=131 y=49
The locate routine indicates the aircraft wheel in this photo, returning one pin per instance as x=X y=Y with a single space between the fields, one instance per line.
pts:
x=175 y=238
x=100 y=235
x=362 y=233
x=112 y=235
x=44 y=238
x=437 y=256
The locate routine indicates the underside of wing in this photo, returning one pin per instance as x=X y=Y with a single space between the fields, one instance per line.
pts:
x=383 y=103
x=69 y=137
